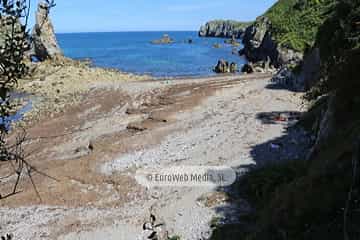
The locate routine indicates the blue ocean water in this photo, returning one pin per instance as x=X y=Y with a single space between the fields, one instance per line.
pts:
x=133 y=52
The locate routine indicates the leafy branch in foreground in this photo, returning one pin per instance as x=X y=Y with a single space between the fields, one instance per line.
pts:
x=14 y=42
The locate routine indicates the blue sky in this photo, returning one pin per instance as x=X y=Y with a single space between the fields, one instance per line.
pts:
x=147 y=15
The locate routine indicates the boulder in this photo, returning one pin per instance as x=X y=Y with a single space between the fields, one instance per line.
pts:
x=45 y=45
x=164 y=40
x=285 y=77
x=217 y=45
x=222 y=67
x=247 y=68
x=242 y=52
x=232 y=41
x=233 y=67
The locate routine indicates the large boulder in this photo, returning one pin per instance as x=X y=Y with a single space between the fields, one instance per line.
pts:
x=247 y=68
x=233 y=67
x=224 y=67
x=45 y=45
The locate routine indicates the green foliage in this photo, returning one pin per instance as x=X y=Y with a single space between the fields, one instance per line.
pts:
x=310 y=200
x=295 y=23
x=260 y=184
x=339 y=43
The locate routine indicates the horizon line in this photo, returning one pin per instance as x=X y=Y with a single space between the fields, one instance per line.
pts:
x=125 y=31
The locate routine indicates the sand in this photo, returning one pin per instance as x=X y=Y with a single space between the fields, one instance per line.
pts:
x=132 y=123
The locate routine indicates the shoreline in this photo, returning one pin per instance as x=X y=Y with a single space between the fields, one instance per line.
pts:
x=53 y=85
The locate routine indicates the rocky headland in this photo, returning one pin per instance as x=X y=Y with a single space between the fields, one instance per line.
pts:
x=223 y=29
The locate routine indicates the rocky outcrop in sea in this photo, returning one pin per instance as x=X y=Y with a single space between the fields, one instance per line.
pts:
x=44 y=43
x=223 y=28
x=166 y=39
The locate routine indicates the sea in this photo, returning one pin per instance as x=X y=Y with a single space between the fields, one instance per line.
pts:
x=133 y=52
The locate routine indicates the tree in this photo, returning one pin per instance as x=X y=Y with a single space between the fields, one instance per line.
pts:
x=14 y=43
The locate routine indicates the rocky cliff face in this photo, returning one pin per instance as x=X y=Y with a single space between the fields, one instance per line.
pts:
x=260 y=46
x=224 y=29
x=303 y=79
x=45 y=45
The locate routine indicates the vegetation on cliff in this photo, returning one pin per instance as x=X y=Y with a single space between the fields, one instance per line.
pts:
x=295 y=23
x=318 y=197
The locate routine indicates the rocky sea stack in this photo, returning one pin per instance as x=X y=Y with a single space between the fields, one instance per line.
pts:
x=223 y=29
x=45 y=45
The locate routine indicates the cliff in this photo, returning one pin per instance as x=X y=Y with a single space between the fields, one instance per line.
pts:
x=317 y=197
x=285 y=31
x=223 y=28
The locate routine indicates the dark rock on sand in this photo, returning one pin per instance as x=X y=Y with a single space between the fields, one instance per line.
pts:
x=247 y=68
x=224 y=67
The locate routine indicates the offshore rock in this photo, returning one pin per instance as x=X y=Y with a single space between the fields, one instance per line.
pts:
x=164 y=40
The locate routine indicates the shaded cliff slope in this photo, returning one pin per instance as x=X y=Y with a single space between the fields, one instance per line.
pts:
x=317 y=197
x=286 y=31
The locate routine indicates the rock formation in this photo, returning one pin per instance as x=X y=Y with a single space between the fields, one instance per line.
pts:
x=303 y=79
x=217 y=45
x=164 y=40
x=232 y=41
x=259 y=45
x=224 y=29
x=224 y=67
x=44 y=42
x=247 y=68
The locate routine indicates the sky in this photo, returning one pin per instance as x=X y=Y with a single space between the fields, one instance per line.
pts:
x=147 y=15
